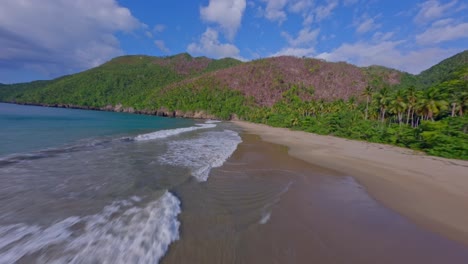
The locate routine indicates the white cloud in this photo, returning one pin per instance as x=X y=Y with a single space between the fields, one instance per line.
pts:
x=442 y=31
x=61 y=37
x=159 y=28
x=324 y=11
x=299 y=6
x=149 y=34
x=227 y=13
x=350 y=2
x=161 y=45
x=389 y=54
x=305 y=37
x=380 y=36
x=308 y=19
x=431 y=10
x=297 y=52
x=366 y=25
x=210 y=46
x=274 y=10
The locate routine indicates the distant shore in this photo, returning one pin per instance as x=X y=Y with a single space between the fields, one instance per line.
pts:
x=431 y=191
x=163 y=112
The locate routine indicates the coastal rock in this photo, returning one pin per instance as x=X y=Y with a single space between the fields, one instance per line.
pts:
x=118 y=108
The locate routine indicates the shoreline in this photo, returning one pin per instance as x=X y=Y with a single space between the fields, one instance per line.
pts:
x=162 y=112
x=431 y=191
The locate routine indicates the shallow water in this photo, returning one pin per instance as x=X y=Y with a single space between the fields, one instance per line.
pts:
x=264 y=206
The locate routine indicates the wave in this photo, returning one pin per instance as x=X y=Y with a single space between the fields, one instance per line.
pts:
x=208 y=150
x=91 y=144
x=172 y=132
x=122 y=233
x=52 y=152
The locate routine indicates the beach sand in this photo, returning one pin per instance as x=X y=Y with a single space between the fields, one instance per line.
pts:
x=431 y=191
x=265 y=206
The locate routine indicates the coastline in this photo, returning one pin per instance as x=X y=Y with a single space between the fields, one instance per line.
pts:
x=431 y=191
x=163 y=112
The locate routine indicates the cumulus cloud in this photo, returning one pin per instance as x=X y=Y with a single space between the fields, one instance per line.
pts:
x=227 y=13
x=366 y=25
x=388 y=53
x=306 y=36
x=443 y=31
x=299 y=6
x=432 y=9
x=209 y=45
x=380 y=36
x=324 y=11
x=274 y=10
x=58 y=37
x=161 y=46
x=297 y=52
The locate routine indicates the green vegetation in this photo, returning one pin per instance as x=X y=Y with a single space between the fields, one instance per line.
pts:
x=444 y=70
x=417 y=119
x=126 y=80
x=426 y=112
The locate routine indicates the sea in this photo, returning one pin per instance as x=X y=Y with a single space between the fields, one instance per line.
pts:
x=81 y=186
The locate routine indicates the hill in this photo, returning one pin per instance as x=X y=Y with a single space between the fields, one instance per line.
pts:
x=444 y=70
x=137 y=81
x=425 y=112
x=124 y=80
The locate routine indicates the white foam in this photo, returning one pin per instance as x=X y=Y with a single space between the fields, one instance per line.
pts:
x=121 y=233
x=208 y=150
x=172 y=132
x=212 y=121
x=265 y=218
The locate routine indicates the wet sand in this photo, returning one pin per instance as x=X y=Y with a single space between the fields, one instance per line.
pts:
x=265 y=206
x=431 y=191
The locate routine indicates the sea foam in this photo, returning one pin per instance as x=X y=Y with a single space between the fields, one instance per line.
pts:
x=209 y=150
x=172 y=132
x=122 y=233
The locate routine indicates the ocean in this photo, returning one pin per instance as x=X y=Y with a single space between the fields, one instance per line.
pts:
x=100 y=187
x=82 y=186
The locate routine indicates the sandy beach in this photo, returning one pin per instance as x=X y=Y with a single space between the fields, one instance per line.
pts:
x=430 y=191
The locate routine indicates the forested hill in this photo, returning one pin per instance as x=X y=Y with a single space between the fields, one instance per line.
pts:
x=425 y=112
x=444 y=70
x=137 y=81
x=126 y=80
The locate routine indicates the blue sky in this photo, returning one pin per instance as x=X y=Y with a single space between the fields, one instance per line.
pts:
x=49 y=38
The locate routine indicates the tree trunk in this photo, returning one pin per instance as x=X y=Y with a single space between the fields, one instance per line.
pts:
x=408 y=115
x=453 y=109
x=367 y=106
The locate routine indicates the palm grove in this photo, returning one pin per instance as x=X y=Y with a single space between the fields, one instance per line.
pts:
x=430 y=119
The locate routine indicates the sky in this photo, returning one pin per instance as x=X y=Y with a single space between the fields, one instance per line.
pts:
x=50 y=38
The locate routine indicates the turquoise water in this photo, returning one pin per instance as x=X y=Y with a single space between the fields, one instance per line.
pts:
x=32 y=128
x=82 y=186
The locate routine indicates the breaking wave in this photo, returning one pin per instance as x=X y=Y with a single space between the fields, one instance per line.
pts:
x=124 y=232
x=209 y=150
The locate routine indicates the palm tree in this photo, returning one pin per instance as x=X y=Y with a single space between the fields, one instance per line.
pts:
x=398 y=105
x=383 y=98
x=434 y=102
x=459 y=102
x=368 y=92
x=411 y=101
